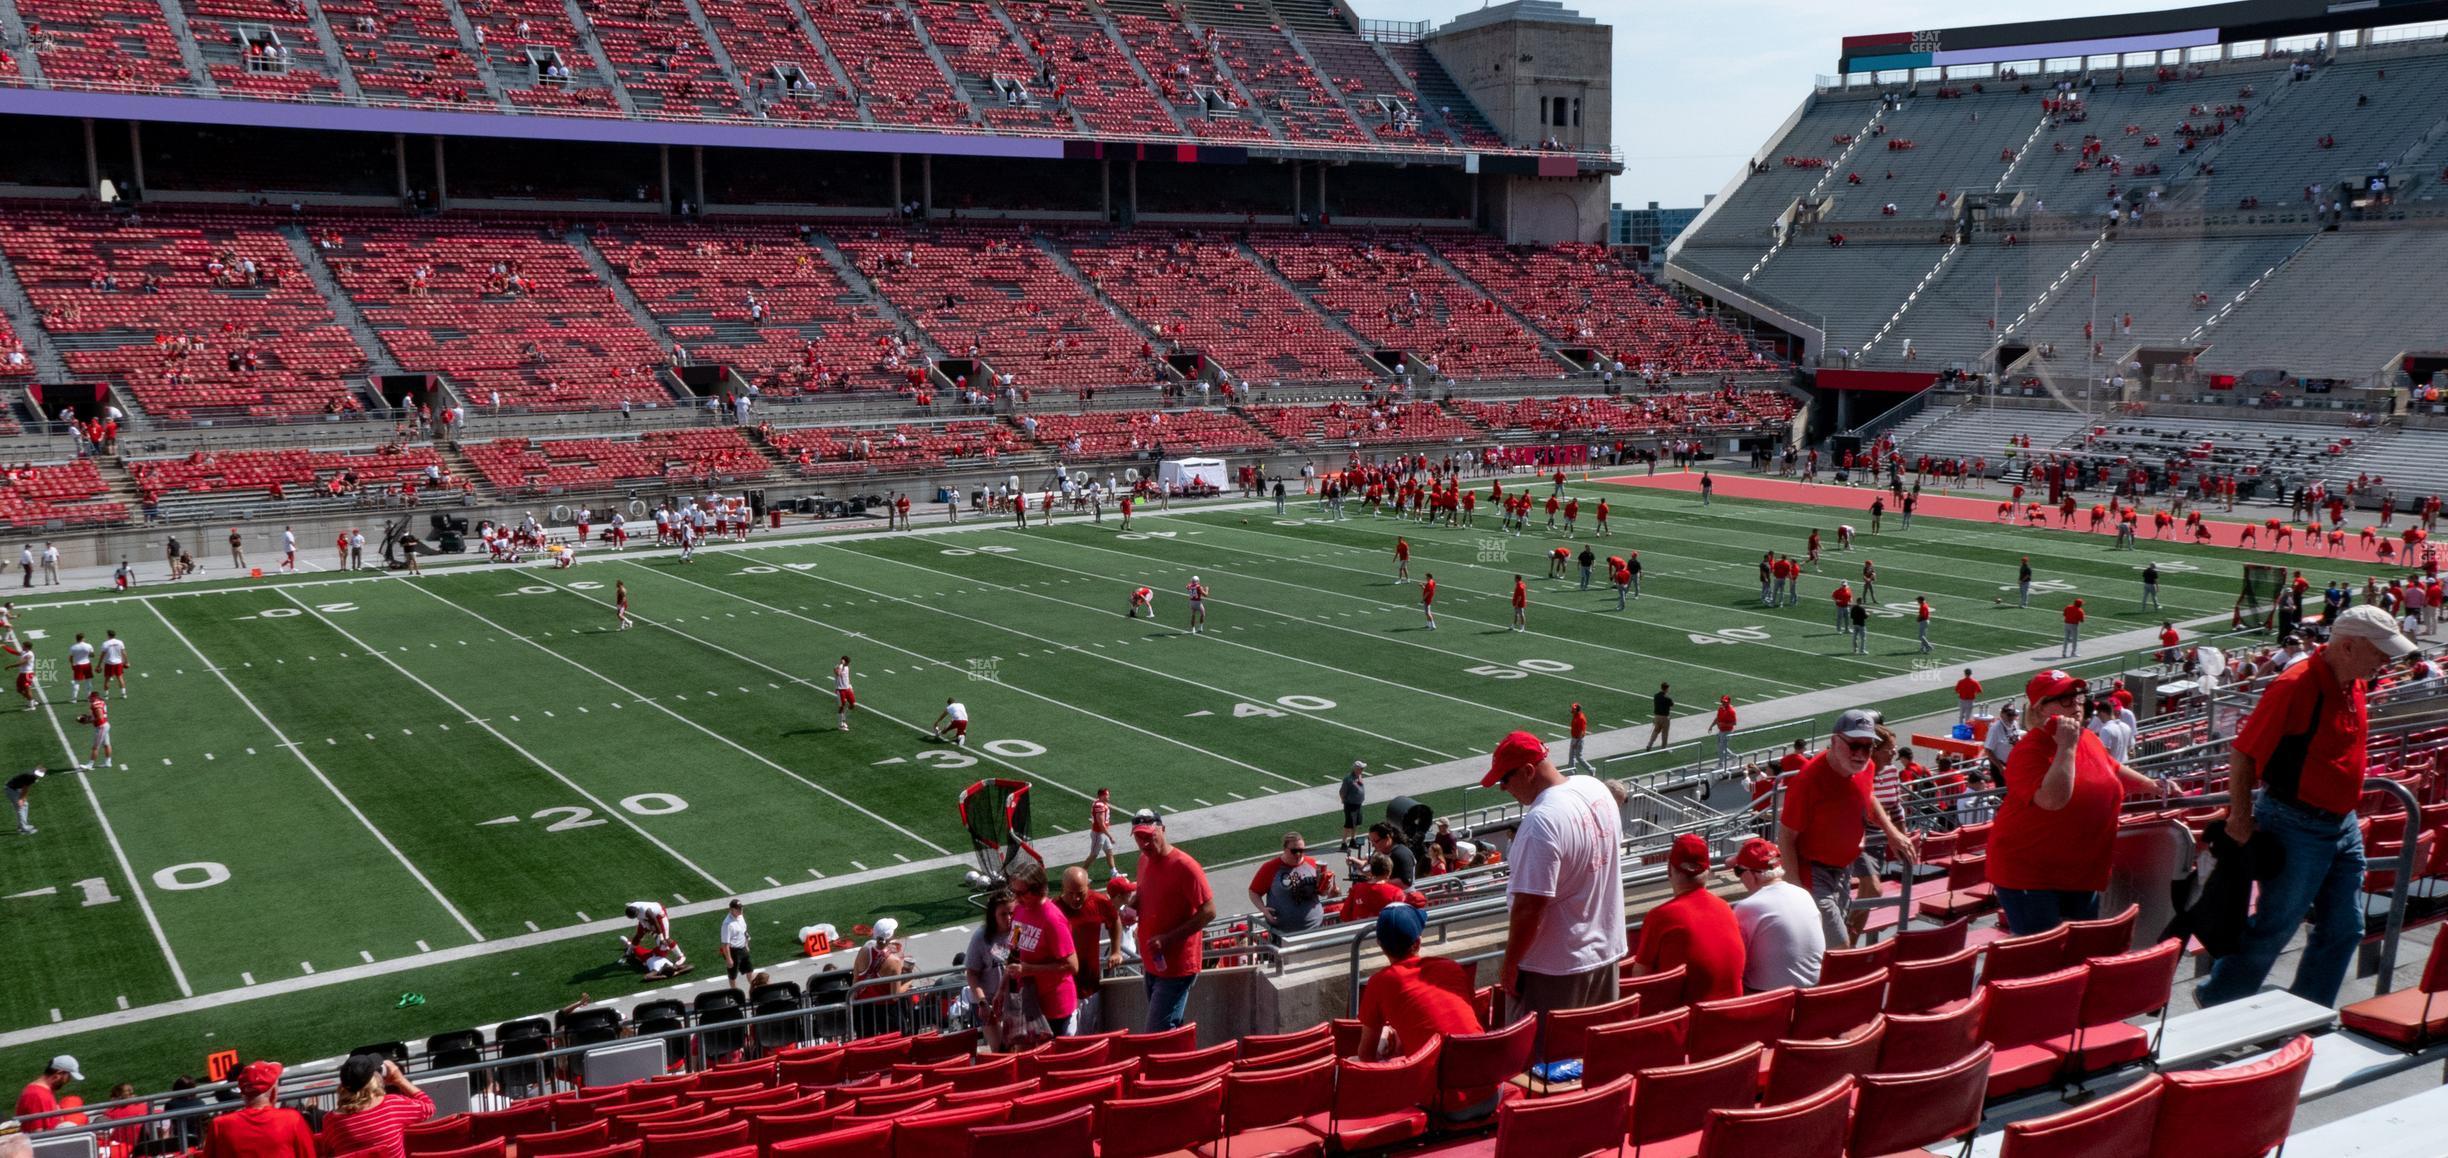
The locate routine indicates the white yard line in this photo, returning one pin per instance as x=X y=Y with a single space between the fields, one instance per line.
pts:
x=1205 y=635
x=658 y=705
x=1034 y=774
x=1075 y=649
x=602 y=808
x=111 y=837
x=1475 y=593
x=299 y=751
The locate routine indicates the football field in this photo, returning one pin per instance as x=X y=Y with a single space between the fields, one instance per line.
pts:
x=334 y=790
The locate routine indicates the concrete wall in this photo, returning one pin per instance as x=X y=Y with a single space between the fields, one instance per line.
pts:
x=1514 y=69
x=1547 y=209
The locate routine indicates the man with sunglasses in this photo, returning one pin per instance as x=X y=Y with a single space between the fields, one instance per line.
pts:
x=2305 y=746
x=1829 y=803
x=1566 y=890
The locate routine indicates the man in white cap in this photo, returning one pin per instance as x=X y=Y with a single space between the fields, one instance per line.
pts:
x=41 y=1096
x=2305 y=746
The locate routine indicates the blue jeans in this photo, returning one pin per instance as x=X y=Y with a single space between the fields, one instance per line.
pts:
x=2322 y=876
x=1168 y=1001
x=2030 y=911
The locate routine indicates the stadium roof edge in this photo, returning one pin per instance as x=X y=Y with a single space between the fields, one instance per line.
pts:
x=2198 y=26
x=1543 y=11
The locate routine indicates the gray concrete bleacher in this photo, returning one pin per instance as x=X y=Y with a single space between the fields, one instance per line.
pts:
x=2050 y=176
x=2347 y=303
x=2410 y=462
x=2294 y=451
x=1744 y=219
x=1855 y=287
x=2154 y=278
x=1950 y=326
x=1978 y=432
x=1955 y=148
x=2277 y=153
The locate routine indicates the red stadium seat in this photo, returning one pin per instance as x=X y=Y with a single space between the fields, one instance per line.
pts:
x=1068 y=1135
x=2117 y=1123
x=1901 y=1112
x=1838 y=1008
x=1797 y=1069
x=1671 y=1104
x=1814 y=1126
x=2242 y=1109
x=1628 y=1047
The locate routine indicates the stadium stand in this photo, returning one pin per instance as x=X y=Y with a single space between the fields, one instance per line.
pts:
x=1133 y=433
x=2297 y=322
x=709 y=288
x=1001 y=80
x=1279 y=78
x=781 y=66
x=541 y=58
x=310 y=477
x=897 y=82
x=1208 y=103
x=663 y=64
x=104 y=43
x=165 y=307
x=57 y=496
x=518 y=467
x=260 y=47
x=2349 y=116
x=1398 y=297
x=407 y=50
x=1091 y=72
x=1579 y=295
x=816 y=451
x=505 y=308
x=1202 y=295
x=1348 y=424
x=990 y=292
x=1634 y=414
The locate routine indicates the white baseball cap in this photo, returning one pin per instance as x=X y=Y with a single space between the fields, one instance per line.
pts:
x=68 y=1065
x=2374 y=626
x=885 y=927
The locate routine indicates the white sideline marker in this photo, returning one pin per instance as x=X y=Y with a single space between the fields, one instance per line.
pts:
x=422 y=947
x=307 y=966
x=123 y=1001
x=368 y=958
x=531 y=927
x=55 y=1015
x=248 y=978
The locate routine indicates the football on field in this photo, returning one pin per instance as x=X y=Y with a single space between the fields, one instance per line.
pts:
x=84 y=719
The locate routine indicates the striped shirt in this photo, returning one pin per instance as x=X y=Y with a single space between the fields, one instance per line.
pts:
x=378 y=1130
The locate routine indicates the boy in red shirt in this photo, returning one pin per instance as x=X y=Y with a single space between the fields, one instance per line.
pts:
x=1416 y=998
x=1724 y=724
x=1695 y=929
x=1967 y=695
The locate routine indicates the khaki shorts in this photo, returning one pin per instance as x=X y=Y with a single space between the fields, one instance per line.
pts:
x=1549 y=992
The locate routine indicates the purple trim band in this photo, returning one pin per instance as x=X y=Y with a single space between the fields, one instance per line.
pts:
x=428 y=122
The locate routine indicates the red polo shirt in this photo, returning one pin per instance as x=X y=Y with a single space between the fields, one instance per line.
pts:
x=2335 y=760
x=2069 y=849
x=1829 y=810
x=1698 y=932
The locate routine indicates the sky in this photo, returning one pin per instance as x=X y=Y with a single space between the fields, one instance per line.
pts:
x=1698 y=87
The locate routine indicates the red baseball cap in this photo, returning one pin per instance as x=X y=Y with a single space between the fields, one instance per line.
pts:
x=1757 y=855
x=1513 y=753
x=1690 y=855
x=259 y=1076
x=2050 y=684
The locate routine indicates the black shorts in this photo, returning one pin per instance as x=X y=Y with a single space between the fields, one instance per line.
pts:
x=1351 y=818
x=736 y=960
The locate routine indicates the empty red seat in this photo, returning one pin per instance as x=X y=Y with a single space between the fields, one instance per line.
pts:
x=1814 y=1126
x=2117 y=1123
x=2410 y=1018
x=1895 y=1113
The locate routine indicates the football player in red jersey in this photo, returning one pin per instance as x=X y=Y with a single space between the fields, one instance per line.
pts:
x=98 y=714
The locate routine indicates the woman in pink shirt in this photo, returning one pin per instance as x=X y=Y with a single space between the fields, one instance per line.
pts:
x=377 y=1105
x=1045 y=965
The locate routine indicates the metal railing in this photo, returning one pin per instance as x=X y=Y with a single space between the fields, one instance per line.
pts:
x=924 y=1008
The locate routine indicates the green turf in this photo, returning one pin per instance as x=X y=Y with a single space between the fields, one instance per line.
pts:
x=387 y=768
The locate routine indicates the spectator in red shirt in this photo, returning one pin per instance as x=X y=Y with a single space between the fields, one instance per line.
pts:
x=2074 y=616
x=2055 y=836
x=1828 y=805
x=377 y=1105
x=2305 y=746
x=259 y=1129
x=1416 y=998
x=1375 y=891
x=1174 y=902
x=1724 y=727
x=1090 y=913
x=1694 y=929
x=41 y=1096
